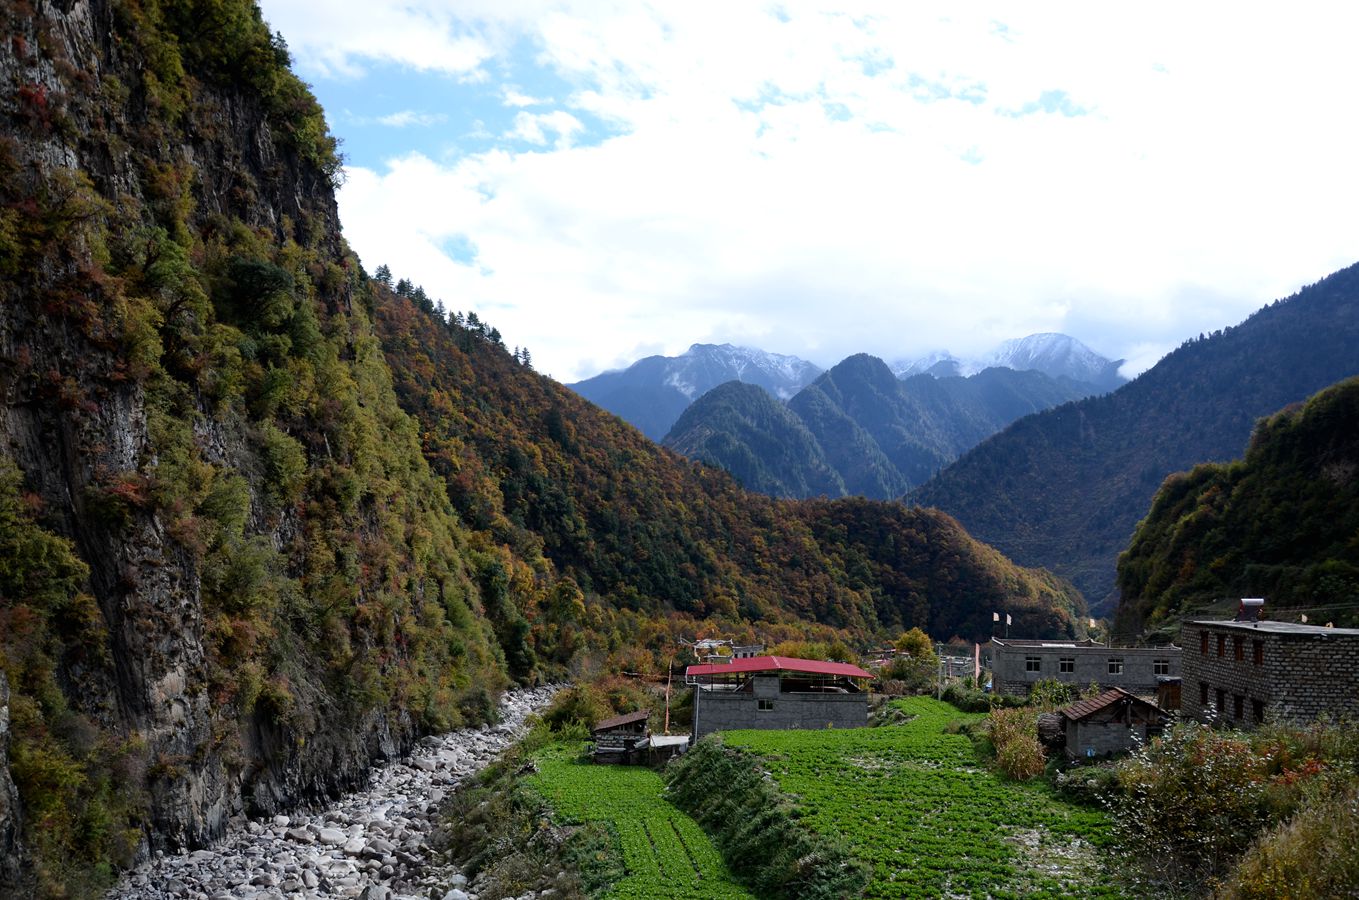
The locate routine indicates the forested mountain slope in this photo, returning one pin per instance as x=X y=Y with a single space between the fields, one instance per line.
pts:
x=233 y=570
x=1282 y=523
x=228 y=578
x=1064 y=488
x=652 y=542
x=760 y=441
x=857 y=429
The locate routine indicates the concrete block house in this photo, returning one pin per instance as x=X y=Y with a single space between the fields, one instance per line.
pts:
x=1113 y=722
x=1243 y=672
x=1017 y=665
x=777 y=692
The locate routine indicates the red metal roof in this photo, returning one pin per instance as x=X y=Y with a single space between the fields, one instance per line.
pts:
x=779 y=664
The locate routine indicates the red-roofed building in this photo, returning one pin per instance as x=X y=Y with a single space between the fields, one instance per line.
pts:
x=777 y=692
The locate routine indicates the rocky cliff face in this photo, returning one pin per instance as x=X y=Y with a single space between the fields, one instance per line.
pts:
x=264 y=590
x=10 y=859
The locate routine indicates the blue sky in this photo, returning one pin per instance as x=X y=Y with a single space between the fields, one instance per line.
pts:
x=606 y=180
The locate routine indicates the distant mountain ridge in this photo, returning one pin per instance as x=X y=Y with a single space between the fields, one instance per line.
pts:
x=653 y=392
x=858 y=429
x=1064 y=488
x=1055 y=355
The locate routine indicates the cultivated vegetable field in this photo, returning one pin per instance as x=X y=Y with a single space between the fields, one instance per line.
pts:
x=912 y=801
x=666 y=854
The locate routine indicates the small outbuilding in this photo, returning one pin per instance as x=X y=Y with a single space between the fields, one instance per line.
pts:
x=619 y=740
x=1113 y=722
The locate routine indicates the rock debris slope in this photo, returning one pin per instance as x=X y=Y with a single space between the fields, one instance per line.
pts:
x=371 y=844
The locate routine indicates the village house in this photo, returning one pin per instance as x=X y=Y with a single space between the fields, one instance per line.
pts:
x=1243 y=672
x=1016 y=665
x=618 y=740
x=777 y=692
x=1116 y=721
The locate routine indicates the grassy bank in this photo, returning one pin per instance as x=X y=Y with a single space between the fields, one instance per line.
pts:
x=912 y=800
x=663 y=851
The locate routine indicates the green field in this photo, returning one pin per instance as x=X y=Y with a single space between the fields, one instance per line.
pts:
x=665 y=852
x=914 y=802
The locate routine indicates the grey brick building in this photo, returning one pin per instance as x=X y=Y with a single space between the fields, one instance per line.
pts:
x=1245 y=672
x=774 y=692
x=1114 y=722
x=1016 y=665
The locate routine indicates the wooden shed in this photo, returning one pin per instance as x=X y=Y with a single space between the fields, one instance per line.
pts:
x=617 y=739
x=1113 y=722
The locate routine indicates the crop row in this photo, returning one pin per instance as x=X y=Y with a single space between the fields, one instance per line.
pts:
x=665 y=852
x=912 y=801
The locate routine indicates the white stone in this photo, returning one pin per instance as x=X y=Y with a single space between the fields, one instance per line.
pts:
x=333 y=837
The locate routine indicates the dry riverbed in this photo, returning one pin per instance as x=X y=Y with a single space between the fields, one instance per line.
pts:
x=373 y=844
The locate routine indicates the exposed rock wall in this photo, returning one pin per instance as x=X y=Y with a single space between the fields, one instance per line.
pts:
x=271 y=608
x=10 y=861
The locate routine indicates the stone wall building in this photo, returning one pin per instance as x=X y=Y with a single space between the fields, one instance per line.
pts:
x=1245 y=672
x=1016 y=665
x=777 y=692
x=1116 y=721
x=616 y=739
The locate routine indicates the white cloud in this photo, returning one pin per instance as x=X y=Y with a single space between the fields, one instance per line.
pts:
x=535 y=127
x=817 y=182
x=409 y=117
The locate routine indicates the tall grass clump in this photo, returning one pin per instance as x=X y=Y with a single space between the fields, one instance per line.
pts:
x=1014 y=733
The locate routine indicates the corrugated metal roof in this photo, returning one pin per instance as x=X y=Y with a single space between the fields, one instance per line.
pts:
x=779 y=664
x=1082 y=708
x=620 y=721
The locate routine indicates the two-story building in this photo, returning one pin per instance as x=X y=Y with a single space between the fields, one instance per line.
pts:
x=1243 y=672
x=1016 y=665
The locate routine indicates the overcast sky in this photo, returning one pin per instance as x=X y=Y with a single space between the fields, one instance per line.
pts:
x=603 y=181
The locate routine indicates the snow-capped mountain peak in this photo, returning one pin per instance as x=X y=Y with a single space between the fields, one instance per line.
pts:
x=1053 y=354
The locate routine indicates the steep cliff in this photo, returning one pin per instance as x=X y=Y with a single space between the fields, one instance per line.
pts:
x=229 y=578
x=233 y=571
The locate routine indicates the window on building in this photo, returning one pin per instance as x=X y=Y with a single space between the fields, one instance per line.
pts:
x=1115 y=665
x=1257 y=711
x=1221 y=645
x=1033 y=664
x=1203 y=693
x=1258 y=652
x=766 y=705
x=1221 y=700
x=1066 y=665
x=1238 y=643
x=1160 y=667
x=1203 y=643
x=1238 y=703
